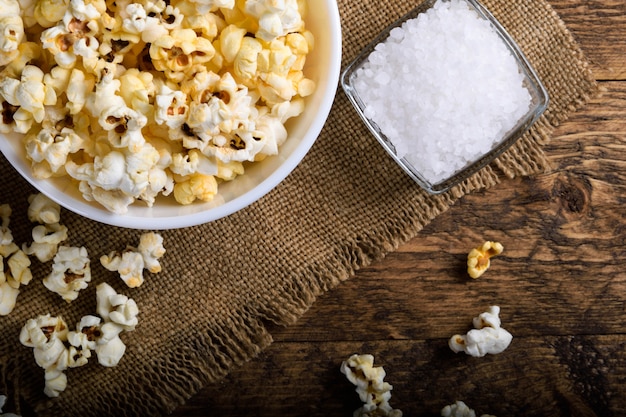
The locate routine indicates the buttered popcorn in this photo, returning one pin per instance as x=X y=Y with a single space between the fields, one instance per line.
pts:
x=133 y=100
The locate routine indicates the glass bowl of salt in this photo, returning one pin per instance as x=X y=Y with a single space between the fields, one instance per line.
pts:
x=445 y=90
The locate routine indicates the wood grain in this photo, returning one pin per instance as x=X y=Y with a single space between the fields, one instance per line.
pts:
x=561 y=284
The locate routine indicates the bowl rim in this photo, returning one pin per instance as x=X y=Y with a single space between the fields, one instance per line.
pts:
x=139 y=217
x=540 y=100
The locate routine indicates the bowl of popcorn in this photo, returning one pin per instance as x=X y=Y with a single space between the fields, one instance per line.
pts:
x=164 y=114
x=445 y=90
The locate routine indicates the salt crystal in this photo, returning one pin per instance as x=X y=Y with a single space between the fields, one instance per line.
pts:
x=443 y=88
x=382 y=78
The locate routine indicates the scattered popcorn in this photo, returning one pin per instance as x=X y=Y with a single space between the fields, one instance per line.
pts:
x=50 y=233
x=133 y=100
x=486 y=337
x=129 y=264
x=373 y=391
x=103 y=338
x=8 y=298
x=46 y=240
x=57 y=349
x=14 y=265
x=110 y=347
x=47 y=336
x=478 y=260
x=43 y=210
x=71 y=272
x=3 y=400
x=132 y=261
x=116 y=308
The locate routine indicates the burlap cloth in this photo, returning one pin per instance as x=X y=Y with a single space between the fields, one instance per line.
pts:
x=346 y=205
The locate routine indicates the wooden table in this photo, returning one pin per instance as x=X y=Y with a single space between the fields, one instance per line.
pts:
x=560 y=283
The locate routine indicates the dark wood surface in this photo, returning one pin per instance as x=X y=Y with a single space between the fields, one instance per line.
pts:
x=560 y=283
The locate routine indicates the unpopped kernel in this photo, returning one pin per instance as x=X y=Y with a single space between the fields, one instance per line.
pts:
x=137 y=99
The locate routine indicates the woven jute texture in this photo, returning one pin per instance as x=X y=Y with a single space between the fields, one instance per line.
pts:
x=346 y=205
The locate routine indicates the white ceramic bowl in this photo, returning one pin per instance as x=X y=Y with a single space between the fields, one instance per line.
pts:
x=323 y=66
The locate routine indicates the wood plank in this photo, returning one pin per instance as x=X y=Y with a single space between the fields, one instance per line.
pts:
x=600 y=28
x=535 y=376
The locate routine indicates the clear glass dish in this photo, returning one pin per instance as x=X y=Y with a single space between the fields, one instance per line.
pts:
x=538 y=93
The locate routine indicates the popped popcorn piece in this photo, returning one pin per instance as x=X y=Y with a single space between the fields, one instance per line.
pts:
x=50 y=147
x=122 y=124
x=129 y=264
x=79 y=86
x=116 y=308
x=30 y=94
x=48 y=235
x=27 y=52
x=110 y=348
x=230 y=41
x=71 y=272
x=49 y=12
x=8 y=298
x=478 y=260
x=193 y=161
x=42 y=209
x=195 y=187
x=486 y=337
x=55 y=382
x=102 y=338
x=132 y=261
x=47 y=336
x=11 y=31
x=119 y=314
x=275 y=18
x=120 y=177
x=177 y=52
x=46 y=240
x=146 y=24
x=75 y=35
x=138 y=90
x=171 y=107
x=86 y=334
x=116 y=201
x=373 y=391
x=151 y=249
x=14 y=265
x=460 y=409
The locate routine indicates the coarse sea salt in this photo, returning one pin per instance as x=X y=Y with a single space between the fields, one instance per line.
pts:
x=443 y=88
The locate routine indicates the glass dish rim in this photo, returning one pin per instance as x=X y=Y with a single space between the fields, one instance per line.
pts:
x=540 y=99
